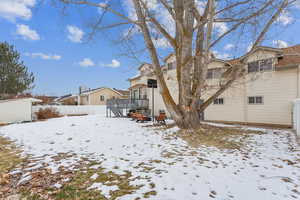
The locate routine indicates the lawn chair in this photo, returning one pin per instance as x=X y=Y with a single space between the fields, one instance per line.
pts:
x=142 y=118
x=161 y=118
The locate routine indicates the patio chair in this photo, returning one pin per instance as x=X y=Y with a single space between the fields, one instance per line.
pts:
x=161 y=118
x=142 y=118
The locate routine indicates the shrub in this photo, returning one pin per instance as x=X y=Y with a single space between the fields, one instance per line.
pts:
x=47 y=113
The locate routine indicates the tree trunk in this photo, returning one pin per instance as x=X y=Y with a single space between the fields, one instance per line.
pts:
x=189 y=120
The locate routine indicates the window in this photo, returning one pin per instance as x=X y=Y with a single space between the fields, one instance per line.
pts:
x=135 y=94
x=219 y=101
x=266 y=65
x=253 y=67
x=255 y=100
x=214 y=73
x=260 y=65
x=101 y=98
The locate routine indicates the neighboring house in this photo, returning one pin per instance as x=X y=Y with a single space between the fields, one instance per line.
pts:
x=99 y=96
x=263 y=96
x=69 y=99
x=16 y=110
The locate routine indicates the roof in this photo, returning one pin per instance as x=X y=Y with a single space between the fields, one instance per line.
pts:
x=32 y=100
x=168 y=56
x=137 y=86
x=123 y=92
x=291 y=55
x=143 y=65
x=135 y=77
x=286 y=56
x=66 y=97
x=120 y=92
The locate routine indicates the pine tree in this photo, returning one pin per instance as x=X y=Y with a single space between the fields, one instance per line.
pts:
x=14 y=75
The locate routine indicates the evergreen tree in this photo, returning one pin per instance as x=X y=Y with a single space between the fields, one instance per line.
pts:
x=14 y=75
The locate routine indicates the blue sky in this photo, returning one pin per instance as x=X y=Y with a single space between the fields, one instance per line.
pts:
x=55 y=48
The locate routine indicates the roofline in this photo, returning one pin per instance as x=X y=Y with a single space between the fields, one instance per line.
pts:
x=168 y=56
x=96 y=90
x=17 y=99
x=221 y=60
x=260 y=47
x=137 y=77
x=143 y=65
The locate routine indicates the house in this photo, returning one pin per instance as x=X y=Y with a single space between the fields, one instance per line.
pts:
x=16 y=110
x=69 y=99
x=264 y=96
x=99 y=96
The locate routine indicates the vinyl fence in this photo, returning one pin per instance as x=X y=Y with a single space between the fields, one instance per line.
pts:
x=74 y=110
x=296 y=116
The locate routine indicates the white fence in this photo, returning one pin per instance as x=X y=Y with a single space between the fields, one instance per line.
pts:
x=75 y=110
x=296 y=116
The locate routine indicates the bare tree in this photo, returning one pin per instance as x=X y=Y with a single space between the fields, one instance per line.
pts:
x=192 y=42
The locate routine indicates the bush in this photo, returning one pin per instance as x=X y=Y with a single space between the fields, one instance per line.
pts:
x=47 y=113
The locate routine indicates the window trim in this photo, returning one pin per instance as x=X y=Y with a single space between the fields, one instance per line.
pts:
x=255 y=100
x=101 y=98
x=259 y=68
x=216 y=73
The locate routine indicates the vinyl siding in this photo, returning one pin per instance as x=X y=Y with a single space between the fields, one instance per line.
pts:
x=279 y=89
x=94 y=97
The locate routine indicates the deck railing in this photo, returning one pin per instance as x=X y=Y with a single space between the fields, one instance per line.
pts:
x=128 y=103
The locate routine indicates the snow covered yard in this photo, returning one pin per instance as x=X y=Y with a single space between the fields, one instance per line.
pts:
x=120 y=159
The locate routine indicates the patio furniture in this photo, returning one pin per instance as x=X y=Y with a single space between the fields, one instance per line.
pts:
x=161 y=118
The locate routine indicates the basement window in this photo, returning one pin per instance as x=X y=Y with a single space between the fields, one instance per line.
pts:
x=219 y=101
x=254 y=100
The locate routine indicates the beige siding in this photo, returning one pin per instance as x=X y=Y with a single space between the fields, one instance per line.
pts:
x=93 y=98
x=232 y=109
x=279 y=89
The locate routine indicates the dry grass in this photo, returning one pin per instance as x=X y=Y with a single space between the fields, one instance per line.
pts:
x=220 y=137
x=47 y=113
x=9 y=155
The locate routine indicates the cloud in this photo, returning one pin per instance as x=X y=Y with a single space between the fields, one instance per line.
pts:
x=220 y=28
x=86 y=62
x=27 y=33
x=12 y=9
x=280 y=43
x=44 y=56
x=228 y=46
x=114 y=64
x=285 y=19
x=220 y=55
x=75 y=34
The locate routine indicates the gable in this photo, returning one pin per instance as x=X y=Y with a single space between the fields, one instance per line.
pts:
x=105 y=91
x=260 y=55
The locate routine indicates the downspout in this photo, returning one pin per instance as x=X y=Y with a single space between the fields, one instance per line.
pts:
x=298 y=82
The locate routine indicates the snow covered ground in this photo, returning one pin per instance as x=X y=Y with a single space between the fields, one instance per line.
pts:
x=268 y=167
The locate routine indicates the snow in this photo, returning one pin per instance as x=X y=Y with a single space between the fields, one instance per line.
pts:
x=94 y=177
x=57 y=185
x=25 y=179
x=259 y=171
x=103 y=188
